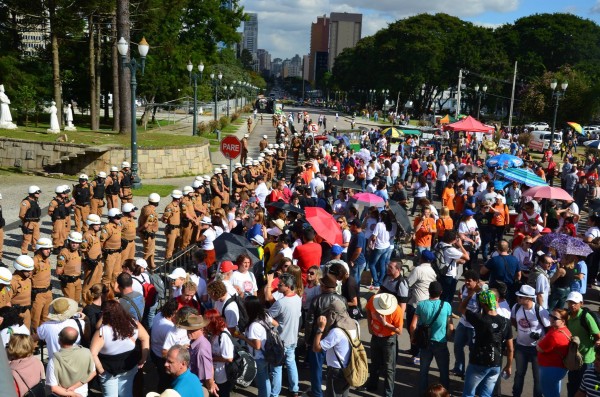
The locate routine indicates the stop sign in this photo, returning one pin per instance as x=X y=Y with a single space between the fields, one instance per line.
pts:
x=231 y=147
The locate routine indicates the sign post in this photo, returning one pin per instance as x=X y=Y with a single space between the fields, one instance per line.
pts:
x=231 y=147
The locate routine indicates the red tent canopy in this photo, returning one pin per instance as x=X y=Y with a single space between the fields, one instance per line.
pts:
x=469 y=124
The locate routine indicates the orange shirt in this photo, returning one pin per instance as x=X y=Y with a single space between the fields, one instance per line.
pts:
x=443 y=225
x=500 y=218
x=448 y=198
x=459 y=203
x=396 y=319
x=423 y=234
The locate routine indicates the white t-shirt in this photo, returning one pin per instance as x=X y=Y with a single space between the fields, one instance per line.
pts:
x=527 y=322
x=49 y=330
x=524 y=257
x=442 y=173
x=230 y=289
x=420 y=191
x=52 y=381
x=472 y=306
x=450 y=256
x=346 y=236
x=160 y=329
x=210 y=235
x=138 y=281
x=176 y=336
x=15 y=329
x=244 y=281
x=336 y=342
x=223 y=348
x=503 y=309
x=232 y=314
x=574 y=208
x=257 y=331
x=287 y=252
x=468 y=227
x=542 y=286
x=369 y=227
x=113 y=347
x=593 y=232
x=395 y=169
x=382 y=236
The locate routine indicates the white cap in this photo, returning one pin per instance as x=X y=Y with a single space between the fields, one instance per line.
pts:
x=59 y=189
x=248 y=163
x=246 y=135
x=177 y=194
x=334 y=169
x=276 y=146
x=75 y=237
x=141 y=262
x=34 y=189
x=575 y=297
x=270 y=146
x=102 y=174
x=114 y=169
x=217 y=170
x=255 y=162
x=114 y=212
x=83 y=176
x=197 y=183
x=178 y=272
x=206 y=220
x=187 y=190
x=125 y=164
x=5 y=276
x=93 y=219
x=264 y=136
x=200 y=178
x=258 y=239
x=23 y=262
x=206 y=177
x=223 y=166
x=129 y=207
x=238 y=165
x=153 y=198
x=43 y=242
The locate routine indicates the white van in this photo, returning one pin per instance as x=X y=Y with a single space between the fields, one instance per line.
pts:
x=542 y=139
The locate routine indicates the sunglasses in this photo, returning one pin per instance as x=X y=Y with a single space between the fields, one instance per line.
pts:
x=553 y=317
x=311 y=273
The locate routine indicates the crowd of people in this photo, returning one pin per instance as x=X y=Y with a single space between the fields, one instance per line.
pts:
x=292 y=300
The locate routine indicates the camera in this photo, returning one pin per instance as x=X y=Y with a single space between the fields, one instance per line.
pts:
x=534 y=335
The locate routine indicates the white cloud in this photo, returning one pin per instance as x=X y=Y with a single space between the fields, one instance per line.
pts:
x=596 y=8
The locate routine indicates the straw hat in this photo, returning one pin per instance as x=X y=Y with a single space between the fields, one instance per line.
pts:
x=194 y=322
x=62 y=309
x=385 y=304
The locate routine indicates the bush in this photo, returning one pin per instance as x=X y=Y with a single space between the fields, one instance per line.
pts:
x=234 y=117
x=524 y=139
x=203 y=128
x=224 y=121
x=213 y=125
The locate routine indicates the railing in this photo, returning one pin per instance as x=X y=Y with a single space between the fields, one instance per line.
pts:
x=182 y=258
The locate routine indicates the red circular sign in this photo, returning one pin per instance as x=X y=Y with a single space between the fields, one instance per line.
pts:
x=231 y=147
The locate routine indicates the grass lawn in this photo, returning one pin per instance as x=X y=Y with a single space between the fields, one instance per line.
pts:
x=162 y=190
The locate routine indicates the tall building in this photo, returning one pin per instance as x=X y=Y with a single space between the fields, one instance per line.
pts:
x=34 y=36
x=251 y=33
x=344 y=32
x=264 y=60
x=319 y=46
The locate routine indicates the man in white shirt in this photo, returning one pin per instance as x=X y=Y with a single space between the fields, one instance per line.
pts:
x=454 y=254
x=316 y=185
x=63 y=313
x=524 y=255
x=442 y=177
x=261 y=191
x=395 y=170
x=161 y=326
x=218 y=293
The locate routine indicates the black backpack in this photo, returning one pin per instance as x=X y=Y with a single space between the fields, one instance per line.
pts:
x=583 y=318
x=274 y=349
x=242 y=370
x=243 y=314
x=439 y=265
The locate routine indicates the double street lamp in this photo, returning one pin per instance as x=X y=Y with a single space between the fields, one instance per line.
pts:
x=216 y=82
x=558 y=95
x=228 y=91
x=194 y=77
x=133 y=65
x=479 y=95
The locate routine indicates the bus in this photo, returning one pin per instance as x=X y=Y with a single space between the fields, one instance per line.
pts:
x=264 y=105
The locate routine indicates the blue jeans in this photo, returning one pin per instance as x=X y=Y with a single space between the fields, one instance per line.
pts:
x=263 y=383
x=315 y=362
x=292 y=372
x=377 y=266
x=487 y=241
x=551 y=378
x=481 y=379
x=120 y=385
x=523 y=356
x=439 y=351
x=463 y=336
x=448 y=288
x=356 y=271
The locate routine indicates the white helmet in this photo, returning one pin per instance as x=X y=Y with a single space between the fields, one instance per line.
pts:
x=102 y=174
x=34 y=189
x=93 y=219
x=154 y=198
x=217 y=170
x=5 y=276
x=66 y=189
x=187 y=190
x=176 y=194
x=129 y=207
x=114 y=212
x=265 y=137
x=197 y=183
x=59 y=189
x=276 y=146
x=114 y=169
x=248 y=163
x=223 y=166
x=83 y=176
x=23 y=262
x=199 y=178
x=255 y=162
x=238 y=165
x=270 y=146
x=75 y=237
x=125 y=164
x=206 y=178
x=43 y=243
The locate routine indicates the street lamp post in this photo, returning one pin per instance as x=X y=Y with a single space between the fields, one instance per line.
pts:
x=234 y=86
x=385 y=93
x=558 y=95
x=215 y=82
x=228 y=90
x=479 y=95
x=133 y=65
x=194 y=77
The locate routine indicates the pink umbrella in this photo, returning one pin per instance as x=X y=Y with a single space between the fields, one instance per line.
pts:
x=367 y=199
x=548 y=192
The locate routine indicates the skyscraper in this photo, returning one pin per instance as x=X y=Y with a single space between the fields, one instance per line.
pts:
x=344 y=31
x=319 y=45
x=251 y=33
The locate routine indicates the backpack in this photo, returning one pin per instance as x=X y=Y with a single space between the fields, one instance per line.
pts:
x=273 y=349
x=242 y=370
x=149 y=292
x=583 y=321
x=159 y=286
x=422 y=337
x=357 y=371
x=243 y=314
x=439 y=265
x=537 y=315
x=573 y=360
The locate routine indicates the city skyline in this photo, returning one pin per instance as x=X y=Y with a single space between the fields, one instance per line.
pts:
x=285 y=29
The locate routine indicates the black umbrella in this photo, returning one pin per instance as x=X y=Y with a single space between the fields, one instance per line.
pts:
x=346 y=184
x=401 y=216
x=286 y=207
x=229 y=246
x=363 y=128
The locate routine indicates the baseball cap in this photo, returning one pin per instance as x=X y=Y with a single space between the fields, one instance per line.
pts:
x=177 y=273
x=227 y=266
x=428 y=255
x=574 y=297
x=468 y=213
x=336 y=250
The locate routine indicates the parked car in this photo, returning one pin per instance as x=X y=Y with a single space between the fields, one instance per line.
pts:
x=543 y=137
x=588 y=129
x=582 y=137
x=537 y=126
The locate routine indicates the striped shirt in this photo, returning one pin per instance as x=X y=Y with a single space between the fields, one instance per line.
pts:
x=590 y=383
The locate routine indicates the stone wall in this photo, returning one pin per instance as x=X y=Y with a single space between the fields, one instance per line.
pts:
x=73 y=159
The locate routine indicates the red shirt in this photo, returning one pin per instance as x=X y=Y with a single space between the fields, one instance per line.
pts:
x=308 y=255
x=193 y=303
x=555 y=345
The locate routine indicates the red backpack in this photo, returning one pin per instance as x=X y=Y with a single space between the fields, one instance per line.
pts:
x=149 y=292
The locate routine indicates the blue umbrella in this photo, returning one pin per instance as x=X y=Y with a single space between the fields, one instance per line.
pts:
x=501 y=160
x=595 y=144
x=522 y=176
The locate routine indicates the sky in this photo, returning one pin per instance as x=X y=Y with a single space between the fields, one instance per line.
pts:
x=284 y=25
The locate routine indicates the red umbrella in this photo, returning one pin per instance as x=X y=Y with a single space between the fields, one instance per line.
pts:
x=548 y=192
x=320 y=138
x=324 y=224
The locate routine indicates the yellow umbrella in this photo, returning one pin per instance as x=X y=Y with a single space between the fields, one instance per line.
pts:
x=394 y=133
x=575 y=126
x=445 y=120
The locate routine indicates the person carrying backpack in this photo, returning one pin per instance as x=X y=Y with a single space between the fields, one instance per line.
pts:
x=583 y=324
x=449 y=253
x=338 y=328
